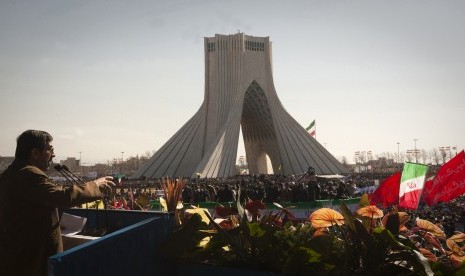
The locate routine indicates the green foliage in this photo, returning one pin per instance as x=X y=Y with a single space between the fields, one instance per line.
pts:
x=443 y=269
x=377 y=251
x=186 y=238
x=255 y=230
x=364 y=201
x=393 y=222
x=361 y=246
x=321 y=256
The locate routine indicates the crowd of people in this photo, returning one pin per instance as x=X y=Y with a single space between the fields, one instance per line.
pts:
x=133 y=194
x=279 y=188
x=450 y=216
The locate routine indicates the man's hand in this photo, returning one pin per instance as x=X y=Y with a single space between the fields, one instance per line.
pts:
x=105 y=182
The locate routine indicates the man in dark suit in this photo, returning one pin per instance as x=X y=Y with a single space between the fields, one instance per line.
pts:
x=29 y=219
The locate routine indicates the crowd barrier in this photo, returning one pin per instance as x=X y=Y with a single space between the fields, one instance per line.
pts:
x=130 y=250
x=131 y=246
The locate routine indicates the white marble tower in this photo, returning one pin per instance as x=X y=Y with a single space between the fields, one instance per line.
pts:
x=239 y=90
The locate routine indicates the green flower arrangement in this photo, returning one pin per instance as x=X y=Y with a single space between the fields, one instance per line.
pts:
x=364 y=242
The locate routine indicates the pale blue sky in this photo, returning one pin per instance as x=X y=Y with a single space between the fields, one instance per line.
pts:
x=105 y=77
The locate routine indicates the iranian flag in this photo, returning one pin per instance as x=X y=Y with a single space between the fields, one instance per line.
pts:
x=312 y=129
x=411 y=185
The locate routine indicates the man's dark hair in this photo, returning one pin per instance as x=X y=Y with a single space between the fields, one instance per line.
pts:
x=31 y=139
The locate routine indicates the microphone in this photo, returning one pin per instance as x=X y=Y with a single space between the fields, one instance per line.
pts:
x=67 y=176
x=74 y=179
x=75 y=176
x=105 y=201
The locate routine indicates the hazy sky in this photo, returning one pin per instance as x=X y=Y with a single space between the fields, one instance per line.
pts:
x=105 y=77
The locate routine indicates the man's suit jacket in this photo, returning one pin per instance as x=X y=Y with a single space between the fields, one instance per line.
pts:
x=29 y=221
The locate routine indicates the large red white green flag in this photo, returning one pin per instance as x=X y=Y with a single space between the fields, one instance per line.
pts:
x=312 y=129
x=411 y=185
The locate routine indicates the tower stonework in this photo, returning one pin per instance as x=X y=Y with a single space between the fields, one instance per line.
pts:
x=239 y=91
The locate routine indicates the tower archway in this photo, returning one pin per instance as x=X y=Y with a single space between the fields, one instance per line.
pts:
x=239 y=91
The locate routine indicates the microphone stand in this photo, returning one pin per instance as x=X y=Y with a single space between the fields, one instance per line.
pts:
x=68 y=178
x=104 y=200
x=71 y=173
x=79 y=180
x=73 y=179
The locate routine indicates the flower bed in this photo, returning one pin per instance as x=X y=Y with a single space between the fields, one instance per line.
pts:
x=330 y=242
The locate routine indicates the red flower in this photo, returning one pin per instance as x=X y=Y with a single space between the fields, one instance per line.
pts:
x=254 y=206
x=222 y=211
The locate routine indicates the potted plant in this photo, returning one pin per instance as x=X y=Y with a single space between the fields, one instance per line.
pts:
x=364 y=242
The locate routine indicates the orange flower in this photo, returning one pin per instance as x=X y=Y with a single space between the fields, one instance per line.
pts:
x=456 y=259
x=430 y=227
x=403 y=218
x=430 y=256
x=455 y=248
x=458 y=237
x=326 y=217
x=431 y=239
x=370 y=211
x=320 y=232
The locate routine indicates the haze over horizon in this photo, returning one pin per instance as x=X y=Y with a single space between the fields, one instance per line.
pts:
x=106 y=77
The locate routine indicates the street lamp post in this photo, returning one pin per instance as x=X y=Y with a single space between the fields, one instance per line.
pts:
x=80 y=163
x=122 y=158
x=415 y=150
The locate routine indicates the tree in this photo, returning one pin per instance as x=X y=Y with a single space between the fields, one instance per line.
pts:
x=409 y=157
x=444 y=156
x=402 y=157
x=424 y=156
x=435 y=156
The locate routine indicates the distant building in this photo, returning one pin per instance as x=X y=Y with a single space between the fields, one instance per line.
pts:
x=381 y=164
x=72 y=164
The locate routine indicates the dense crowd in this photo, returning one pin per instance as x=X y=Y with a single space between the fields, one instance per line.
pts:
x=450 y=216
x=132 y=194
x=267 y=188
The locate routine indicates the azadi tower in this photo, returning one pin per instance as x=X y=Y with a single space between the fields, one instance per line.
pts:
x=239 y=91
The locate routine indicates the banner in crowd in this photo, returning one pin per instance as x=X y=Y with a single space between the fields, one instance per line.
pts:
x=365 y=190
x=387 y=193
x=449 y=182
x=411 y=185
